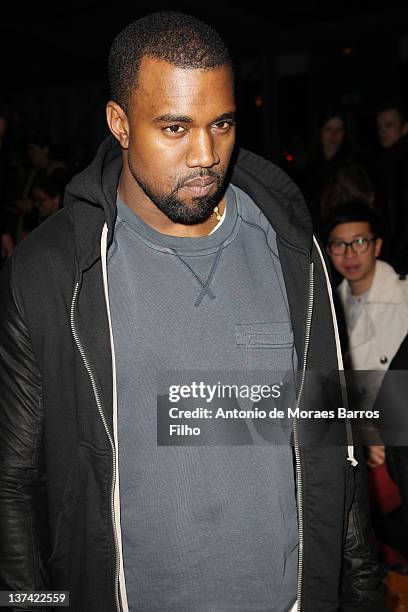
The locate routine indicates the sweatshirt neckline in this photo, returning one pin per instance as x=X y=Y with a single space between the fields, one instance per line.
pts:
x=184 y=245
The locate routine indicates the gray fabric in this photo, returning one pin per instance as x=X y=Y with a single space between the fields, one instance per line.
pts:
x=209 y=529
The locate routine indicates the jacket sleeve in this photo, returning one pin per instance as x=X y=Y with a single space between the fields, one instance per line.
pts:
x=362 y=587
x=22 y=482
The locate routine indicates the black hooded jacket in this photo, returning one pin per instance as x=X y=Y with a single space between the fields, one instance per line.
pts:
x=58 y=526
x=391 y=179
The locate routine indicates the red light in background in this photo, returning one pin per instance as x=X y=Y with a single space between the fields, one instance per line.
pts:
x=287 y=156
x=258 y=101
x=347 y=50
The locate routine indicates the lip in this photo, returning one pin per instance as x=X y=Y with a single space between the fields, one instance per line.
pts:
x=351 y=269
x=199 y=182
x=199 y=187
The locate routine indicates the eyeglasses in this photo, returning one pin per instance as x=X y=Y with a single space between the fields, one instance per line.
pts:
x=358 y=246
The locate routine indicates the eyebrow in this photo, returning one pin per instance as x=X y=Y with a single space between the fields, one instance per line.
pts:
x=360 y=235
x=169 y=117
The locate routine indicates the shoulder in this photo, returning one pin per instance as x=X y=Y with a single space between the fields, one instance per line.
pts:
x=389 y=284
x=386 y=276
x=386 y=272
x=402 y=282
x=45 y=256
x=247 y=208
x=49 y=238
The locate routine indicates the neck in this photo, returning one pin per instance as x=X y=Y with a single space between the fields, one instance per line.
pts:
x=329 y=153
x=361 y=286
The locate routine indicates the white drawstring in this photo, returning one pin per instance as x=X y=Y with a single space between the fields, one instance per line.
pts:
x=351 y=458
x=122 y=583
x=350 y=448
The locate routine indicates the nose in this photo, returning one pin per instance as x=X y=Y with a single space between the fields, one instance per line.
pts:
x=349 y=253
x=201 y=152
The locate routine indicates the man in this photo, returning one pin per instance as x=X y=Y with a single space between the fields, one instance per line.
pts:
x=373 y=297
x=391 y=182
x=391 y=125
x=159 y=262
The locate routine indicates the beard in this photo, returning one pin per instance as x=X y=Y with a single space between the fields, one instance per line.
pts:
x=201 y=208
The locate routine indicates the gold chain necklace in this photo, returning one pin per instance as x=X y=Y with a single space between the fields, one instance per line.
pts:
x=217 y=213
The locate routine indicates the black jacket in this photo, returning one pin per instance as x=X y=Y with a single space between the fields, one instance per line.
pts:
x=56 y=410
x=391 y=180
x=391 y=403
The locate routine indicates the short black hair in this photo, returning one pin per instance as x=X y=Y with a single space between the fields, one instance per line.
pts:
x=393 y=104
x=181 y=40
x=353 y=212
x=52 y=184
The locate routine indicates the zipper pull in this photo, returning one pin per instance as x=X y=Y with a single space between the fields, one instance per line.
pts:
x=350 y=457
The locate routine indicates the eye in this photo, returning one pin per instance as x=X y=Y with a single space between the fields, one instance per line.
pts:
x=174 y=130
x=224 y=126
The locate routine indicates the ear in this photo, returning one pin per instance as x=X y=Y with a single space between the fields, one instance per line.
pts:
x=405 y=128
x=118 y=123
x=377 y=246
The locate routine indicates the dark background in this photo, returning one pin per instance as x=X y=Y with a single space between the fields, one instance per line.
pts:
x=289 y=66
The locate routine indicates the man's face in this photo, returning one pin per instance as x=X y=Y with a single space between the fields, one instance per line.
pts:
x=390 y=127
x=181 y=137
x=355 y=267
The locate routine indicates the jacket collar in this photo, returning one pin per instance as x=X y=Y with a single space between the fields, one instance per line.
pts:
x=92 y=194
x=385 y=288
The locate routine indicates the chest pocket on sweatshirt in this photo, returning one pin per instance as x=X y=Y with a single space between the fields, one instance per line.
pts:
x=267 y=345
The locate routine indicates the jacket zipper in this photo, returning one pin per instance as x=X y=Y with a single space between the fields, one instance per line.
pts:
x=296 y=439
x=105 y=424
x=295 y=432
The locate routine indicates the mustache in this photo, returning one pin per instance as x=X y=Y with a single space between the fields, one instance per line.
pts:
x=199 y=174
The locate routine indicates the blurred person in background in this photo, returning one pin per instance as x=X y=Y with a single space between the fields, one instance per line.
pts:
x=391 y=176
x=46 y=197
x=42 y=162
x=350 y=184
x=331 y=151
x=11 y=173
x=373 y=297
x=7 y=244
x=391 y=125
x=374 y=310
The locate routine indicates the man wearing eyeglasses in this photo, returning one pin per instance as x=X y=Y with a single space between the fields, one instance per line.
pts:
x=373 y=296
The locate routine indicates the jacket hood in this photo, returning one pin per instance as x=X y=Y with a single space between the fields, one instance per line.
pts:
x=95 y=189
x=91 y=194
x=277 y=196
